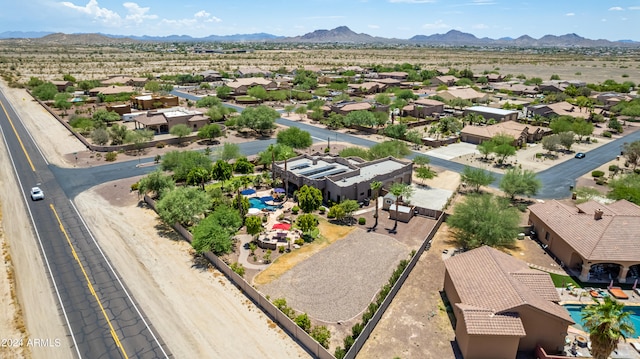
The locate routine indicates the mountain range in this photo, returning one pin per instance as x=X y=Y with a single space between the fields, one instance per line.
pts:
x=339 y=35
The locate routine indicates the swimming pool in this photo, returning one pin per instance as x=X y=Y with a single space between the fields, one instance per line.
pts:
x=255 y=202
x=575 y=310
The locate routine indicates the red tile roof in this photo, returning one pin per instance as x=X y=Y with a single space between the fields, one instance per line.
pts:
x=488 y=279
x=612 y=238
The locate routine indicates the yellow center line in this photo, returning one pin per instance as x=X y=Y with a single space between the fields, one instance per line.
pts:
x=18 y=137
x=89 y=285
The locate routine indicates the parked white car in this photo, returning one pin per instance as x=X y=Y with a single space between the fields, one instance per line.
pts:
x=36 y=194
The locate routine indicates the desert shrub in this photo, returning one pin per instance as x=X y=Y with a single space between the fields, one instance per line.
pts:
x=238 y=268
x=321 y=334
x=160 y=145
x=299 y=241
x=614 y=168
x=111 y=156
x=362 y=221
x=356 y=330
x=134 y=187
x=295 y=209
x=606 y=134
x=601 y=181
x=597 y=173
x=348 y=342
x=322 y=209
x=339 y=353
x=303 y=322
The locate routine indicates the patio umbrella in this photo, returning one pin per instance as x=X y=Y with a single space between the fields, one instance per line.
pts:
x=278 y=190
x=253 y=211
x=248 y=191
x=283 y=226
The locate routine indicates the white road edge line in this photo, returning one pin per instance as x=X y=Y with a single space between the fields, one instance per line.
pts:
x=44 y=253
x=118 y=279
x=29 y=133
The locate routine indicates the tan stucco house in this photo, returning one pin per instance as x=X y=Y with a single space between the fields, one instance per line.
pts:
x=598 y=242
x=502 y=306
x=522 y=133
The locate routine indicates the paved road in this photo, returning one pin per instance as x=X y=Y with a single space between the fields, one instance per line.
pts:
x=102 y=319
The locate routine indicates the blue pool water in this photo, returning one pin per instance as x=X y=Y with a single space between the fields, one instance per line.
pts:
x=255 y=202
x=575 y=310
x=266 y=198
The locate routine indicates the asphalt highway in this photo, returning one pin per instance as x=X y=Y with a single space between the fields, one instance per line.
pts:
x=102 y=319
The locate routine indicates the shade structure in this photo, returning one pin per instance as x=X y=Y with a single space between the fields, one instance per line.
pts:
x=248 y=191
x=283 y=226
x=278 y=190
x=253 y=211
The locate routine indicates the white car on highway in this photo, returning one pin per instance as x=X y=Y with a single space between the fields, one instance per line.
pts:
x=36 y=194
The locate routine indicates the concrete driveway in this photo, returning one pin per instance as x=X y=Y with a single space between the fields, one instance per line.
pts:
x=454 y=150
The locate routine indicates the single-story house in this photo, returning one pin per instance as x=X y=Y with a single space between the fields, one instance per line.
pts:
x=344 y=108
x=120 y=109
x=610 y=99
x=366 y=88
x=497 y=114
x=342 y=178
x=522 y=133
x=242 y=85
x=396 y=75
x=150 y=102
x=598 y=241
x=557 y=109
x=111 y=90
x=447 y=80
x=423 y=107
x=387 y=82
x=464 y=93
x=211 y=76
x=162 y=120
x=125 y=80
x=246 y=71
x=62 y=85
x=515 y=88
x=502 y=306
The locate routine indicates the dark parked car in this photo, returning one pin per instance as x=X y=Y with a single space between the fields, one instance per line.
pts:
x=580 y=155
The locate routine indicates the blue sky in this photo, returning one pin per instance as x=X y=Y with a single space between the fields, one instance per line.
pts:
x=594 y=19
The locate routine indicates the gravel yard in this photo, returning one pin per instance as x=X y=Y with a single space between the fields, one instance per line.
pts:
x=338 y=283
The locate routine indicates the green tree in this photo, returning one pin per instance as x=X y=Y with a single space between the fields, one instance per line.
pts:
x=241 y=203
x=477 y=177
x=155 y=182
x=208 y=236
x=425 y=173
x=615 y=125
x=258 y=92
x=61 y=101
x=375 y=187
x=221 y=171
x=230 y=151
x=336 y=211
x=227 y=218
x=566 y=139
x=104 y=116
x=355 y=152
x=254 y=225
x=561 y=124
x=180 y=130
x=118 y=134
x=360 y=118
x=626 y=187
x=517 y=181
x=484 y=220
x=414 y=136
x=184 y=205
x=421 y=160
x=181 y=163
x=607 y=322
x=288 y=109
x=582 y=128
x=486 y=148
x=100 y=136
x=394 y=148
x=198 y=176
x=260 y=119
x=153 y=86
x=309 y=198
x=307 y=222
x=551 y=142
x=349 y=206
x=45 y=91
x=223 y=92
x=383 y=99
x=396 y=131
x=400 y=190
x=209 y=132
x=301 y=111
x=294 y=137
x=631 y=152
x=243 y=166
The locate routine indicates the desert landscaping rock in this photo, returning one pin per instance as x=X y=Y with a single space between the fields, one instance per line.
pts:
x=338 y=283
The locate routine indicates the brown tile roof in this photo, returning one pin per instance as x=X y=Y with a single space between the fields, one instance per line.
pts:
x=249 y=81
x=114 y=90
x=358 y=106
x=387 y=81
x=489 y=279
x=428 y=102
x=365 y=85
x=612 y=238
x=464 y=93
x=480 y=321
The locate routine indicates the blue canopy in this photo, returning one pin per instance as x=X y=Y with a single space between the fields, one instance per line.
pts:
x=248 y=191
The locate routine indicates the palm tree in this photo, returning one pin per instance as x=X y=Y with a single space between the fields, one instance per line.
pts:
x=606 y=322
x=399 y=190
x=375 y=187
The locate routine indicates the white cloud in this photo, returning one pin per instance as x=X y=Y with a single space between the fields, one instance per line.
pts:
x=206 y=17
x=137 y=14
x=95 y=11
x=412 y=1
x=373 y=26
x=480 y=26
x=616 y=8
x=436 y=25
x=570 y=14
